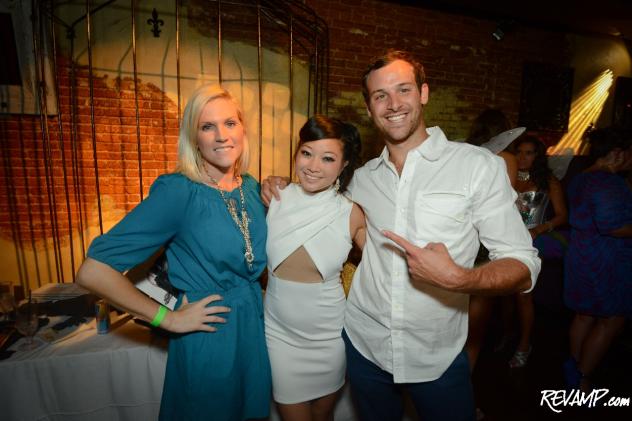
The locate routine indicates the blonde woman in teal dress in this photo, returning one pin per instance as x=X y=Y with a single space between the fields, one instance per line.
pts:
x=210 y=221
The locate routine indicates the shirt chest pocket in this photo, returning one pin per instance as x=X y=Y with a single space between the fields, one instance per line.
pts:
x=440 y=213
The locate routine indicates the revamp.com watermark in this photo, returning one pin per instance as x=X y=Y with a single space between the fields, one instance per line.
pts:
x=558 y=399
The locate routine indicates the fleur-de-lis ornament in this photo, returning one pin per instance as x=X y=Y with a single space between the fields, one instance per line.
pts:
x=156 y=23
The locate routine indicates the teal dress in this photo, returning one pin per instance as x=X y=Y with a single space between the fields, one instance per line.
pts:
x=210 y=376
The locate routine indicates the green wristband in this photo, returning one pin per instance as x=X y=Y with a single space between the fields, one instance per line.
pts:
x=160 y=316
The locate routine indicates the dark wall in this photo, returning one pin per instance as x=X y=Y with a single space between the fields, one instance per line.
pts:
x=466 y=68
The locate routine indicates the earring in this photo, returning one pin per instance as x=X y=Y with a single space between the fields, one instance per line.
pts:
x=337 y=185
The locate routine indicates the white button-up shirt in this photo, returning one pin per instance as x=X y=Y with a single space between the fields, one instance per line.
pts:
x=448 y=192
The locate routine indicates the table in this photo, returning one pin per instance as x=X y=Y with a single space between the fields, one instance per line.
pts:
x=117 y=376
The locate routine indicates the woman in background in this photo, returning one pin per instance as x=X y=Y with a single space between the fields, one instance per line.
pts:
x=488 y=124
x=598 y=266
x=210 y=221
x=310 y=231
x=536 y=186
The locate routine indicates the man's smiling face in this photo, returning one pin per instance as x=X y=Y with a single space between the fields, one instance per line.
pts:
x=395 y=102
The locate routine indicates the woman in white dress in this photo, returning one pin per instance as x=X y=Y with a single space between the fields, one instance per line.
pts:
x=310 y=231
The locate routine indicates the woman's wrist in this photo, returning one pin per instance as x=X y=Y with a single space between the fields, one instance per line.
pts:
x=160 y=316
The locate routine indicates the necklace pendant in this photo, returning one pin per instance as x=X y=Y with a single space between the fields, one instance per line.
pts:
x=249 y=259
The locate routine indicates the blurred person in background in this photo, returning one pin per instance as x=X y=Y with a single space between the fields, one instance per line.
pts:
x=537 y=187
x=598 y=265
x=487 y=124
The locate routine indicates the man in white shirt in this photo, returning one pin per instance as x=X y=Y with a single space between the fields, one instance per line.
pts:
x=428 y=202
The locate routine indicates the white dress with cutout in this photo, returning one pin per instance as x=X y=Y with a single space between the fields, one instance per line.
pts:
x=303 y=321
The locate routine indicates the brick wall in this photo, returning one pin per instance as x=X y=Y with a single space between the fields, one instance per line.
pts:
x=117 y=155
x=466 y=69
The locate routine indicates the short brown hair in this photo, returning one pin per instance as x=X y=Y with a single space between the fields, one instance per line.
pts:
x=384 y=60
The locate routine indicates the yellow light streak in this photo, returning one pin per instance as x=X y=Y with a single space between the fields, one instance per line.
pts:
x=585 y=109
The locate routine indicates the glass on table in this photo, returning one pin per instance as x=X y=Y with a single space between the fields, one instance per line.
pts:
x=27 y=322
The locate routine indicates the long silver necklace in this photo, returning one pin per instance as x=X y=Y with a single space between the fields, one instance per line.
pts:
x=242 y=223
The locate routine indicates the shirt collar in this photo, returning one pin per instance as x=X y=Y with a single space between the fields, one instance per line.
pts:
x=431 y=149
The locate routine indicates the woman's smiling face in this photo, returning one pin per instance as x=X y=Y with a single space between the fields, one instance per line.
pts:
x=319 y=163
x=220 y=135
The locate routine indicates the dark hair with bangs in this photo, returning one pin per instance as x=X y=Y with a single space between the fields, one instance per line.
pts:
x=539 y=172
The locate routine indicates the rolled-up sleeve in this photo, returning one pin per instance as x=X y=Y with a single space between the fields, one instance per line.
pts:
x=496 y=217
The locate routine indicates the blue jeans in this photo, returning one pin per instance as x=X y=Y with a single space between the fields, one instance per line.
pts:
x=378 y=398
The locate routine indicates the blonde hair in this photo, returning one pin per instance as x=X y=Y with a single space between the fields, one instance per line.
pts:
x=190 y=162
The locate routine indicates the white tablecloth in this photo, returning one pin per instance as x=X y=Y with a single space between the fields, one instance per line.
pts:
x=117 y=376
x=112 y=377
